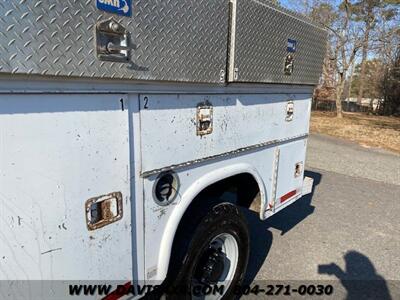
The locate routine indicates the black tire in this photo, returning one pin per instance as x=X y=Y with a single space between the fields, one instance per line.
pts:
x=193 y=239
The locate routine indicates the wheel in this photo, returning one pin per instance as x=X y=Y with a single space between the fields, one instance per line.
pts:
x=210 y=256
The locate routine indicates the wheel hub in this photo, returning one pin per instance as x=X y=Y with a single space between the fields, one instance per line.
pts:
x=212 y=266
x=216 y=264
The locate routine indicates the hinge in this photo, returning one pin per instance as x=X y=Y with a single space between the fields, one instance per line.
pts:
x=236 y=74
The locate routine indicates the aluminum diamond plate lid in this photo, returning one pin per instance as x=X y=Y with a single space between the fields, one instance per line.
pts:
x=264 y=37
x=174 y=40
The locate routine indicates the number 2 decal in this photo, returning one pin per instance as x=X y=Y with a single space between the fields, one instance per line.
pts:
x=146 y=103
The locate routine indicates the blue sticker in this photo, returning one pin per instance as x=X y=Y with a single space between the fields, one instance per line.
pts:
x=291 y=45
x=120 y=7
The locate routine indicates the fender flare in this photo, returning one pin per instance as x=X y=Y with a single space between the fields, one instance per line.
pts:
x=187 y=198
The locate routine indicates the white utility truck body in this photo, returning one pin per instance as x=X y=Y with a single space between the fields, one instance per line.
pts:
x=95 y=107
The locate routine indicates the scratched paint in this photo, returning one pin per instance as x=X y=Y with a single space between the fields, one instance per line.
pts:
x=238 y=122
x=60 y=151
x=247 y=129
x=65 y=149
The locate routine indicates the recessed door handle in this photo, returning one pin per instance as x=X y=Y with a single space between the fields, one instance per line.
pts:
x=111 y=47
x=112 y=42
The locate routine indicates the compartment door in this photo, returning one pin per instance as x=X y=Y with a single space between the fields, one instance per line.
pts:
x=167 y=40
x=271 y=45
x=290 y=174
x=59 y=154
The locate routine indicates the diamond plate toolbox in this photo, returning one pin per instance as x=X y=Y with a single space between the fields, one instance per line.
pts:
x=174 y=40
x=272 y=45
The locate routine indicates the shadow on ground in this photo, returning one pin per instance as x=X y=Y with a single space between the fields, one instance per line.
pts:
x=359 y=277
x=289 y=217
x=260 y=235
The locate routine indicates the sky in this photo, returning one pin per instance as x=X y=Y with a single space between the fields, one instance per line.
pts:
x=287 y=3
x=291 y=4
x=296 y=4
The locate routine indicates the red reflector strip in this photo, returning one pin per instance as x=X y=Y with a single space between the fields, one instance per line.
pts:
x=288 y=196
x=118 y=294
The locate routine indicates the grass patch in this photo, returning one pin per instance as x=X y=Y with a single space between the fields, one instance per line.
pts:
x=370 y=131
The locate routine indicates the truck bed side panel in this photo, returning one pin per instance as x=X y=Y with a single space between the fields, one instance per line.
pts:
x=168 y=125
x=56 y=152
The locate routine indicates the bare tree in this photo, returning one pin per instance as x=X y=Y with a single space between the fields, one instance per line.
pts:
x=391 y=87
x=353 y=25
x=368 y=13
x=343 y=46
x=365 y=12
x=346 y=42
x=353 y=67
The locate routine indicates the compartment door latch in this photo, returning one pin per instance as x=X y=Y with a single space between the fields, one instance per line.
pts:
x=289 y=111
x=112 y=42
x=103 y=210
x=204 y=118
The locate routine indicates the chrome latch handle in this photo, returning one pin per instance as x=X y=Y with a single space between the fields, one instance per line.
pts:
x=204 y=118
x=111 y=47
x=289 y=111
x=112 y=42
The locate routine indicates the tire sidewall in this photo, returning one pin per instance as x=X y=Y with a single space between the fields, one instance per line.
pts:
x=224 y=218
